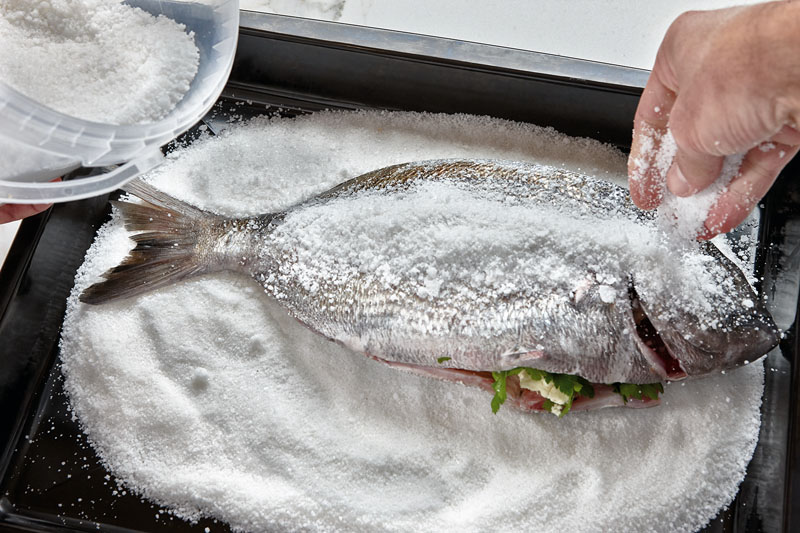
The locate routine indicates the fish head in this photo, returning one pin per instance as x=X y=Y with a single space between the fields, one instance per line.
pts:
x=735 y=340
x=701 y=324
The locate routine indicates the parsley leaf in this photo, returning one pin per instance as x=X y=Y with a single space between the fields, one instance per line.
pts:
x=443 y=359
x=538 y=375
x=570 y=385
x=638 y=392
x=499 y=387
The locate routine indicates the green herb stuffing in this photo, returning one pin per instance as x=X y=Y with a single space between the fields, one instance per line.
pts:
x=638 y=392
x=443 y=359
x=571 y=386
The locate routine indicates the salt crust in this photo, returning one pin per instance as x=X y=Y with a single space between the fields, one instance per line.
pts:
x=480 y=243
x=98 y=60
x=207 y=398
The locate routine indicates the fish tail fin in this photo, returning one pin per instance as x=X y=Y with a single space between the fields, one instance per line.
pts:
x=166 y=247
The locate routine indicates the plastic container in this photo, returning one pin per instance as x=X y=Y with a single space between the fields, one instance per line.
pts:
x=38 y=144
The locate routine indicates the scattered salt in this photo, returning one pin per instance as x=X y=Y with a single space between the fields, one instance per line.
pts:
x=685 y=216
x=474 y=243
x=99 y=60
x=306 y=435
x=681 y=218
x=766 y=147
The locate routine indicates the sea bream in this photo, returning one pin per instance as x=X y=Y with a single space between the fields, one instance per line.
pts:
x=544 y=286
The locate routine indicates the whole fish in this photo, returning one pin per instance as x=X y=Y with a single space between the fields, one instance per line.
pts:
x=471 y=271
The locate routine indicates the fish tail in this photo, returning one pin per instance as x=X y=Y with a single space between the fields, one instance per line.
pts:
x=171 y=234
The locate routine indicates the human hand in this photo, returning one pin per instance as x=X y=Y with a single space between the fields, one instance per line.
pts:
x=724 y=82
x=11 y=212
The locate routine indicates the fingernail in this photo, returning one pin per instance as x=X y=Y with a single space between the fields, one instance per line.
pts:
x=677 y=184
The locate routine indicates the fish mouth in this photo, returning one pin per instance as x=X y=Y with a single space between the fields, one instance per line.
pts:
x=651 y=345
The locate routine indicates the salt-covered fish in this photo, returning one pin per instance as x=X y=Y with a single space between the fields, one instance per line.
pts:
x=548 y=287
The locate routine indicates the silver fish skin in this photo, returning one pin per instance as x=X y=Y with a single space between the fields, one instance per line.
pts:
x=605 y=311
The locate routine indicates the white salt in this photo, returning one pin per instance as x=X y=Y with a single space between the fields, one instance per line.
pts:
x=607 y=294
x=334 y=150
x=766 y=147
x=681 y=217
x=98 y=60
x=686 y=215
x=293 y=432
x=200 y=378
x=480 y=244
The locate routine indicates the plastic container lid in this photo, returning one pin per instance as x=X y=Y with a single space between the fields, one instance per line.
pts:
x=38 y=144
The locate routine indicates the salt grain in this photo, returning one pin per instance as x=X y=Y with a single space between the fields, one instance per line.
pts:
x=305 y=435
x=607 y=294
x=200 y=378
x=766 y=147
x=98 y=60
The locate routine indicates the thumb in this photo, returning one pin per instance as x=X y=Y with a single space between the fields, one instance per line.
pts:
x=698 y=159
x=692 y=171
x=11 y=212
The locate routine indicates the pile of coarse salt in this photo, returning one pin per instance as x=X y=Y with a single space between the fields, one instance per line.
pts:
x=682 y=218
x=98 y=60
x=207 y=398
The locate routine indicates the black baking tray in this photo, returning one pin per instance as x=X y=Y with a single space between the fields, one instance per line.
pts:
x=51 y=479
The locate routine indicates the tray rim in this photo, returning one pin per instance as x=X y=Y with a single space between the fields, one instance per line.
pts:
x=444 y=49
